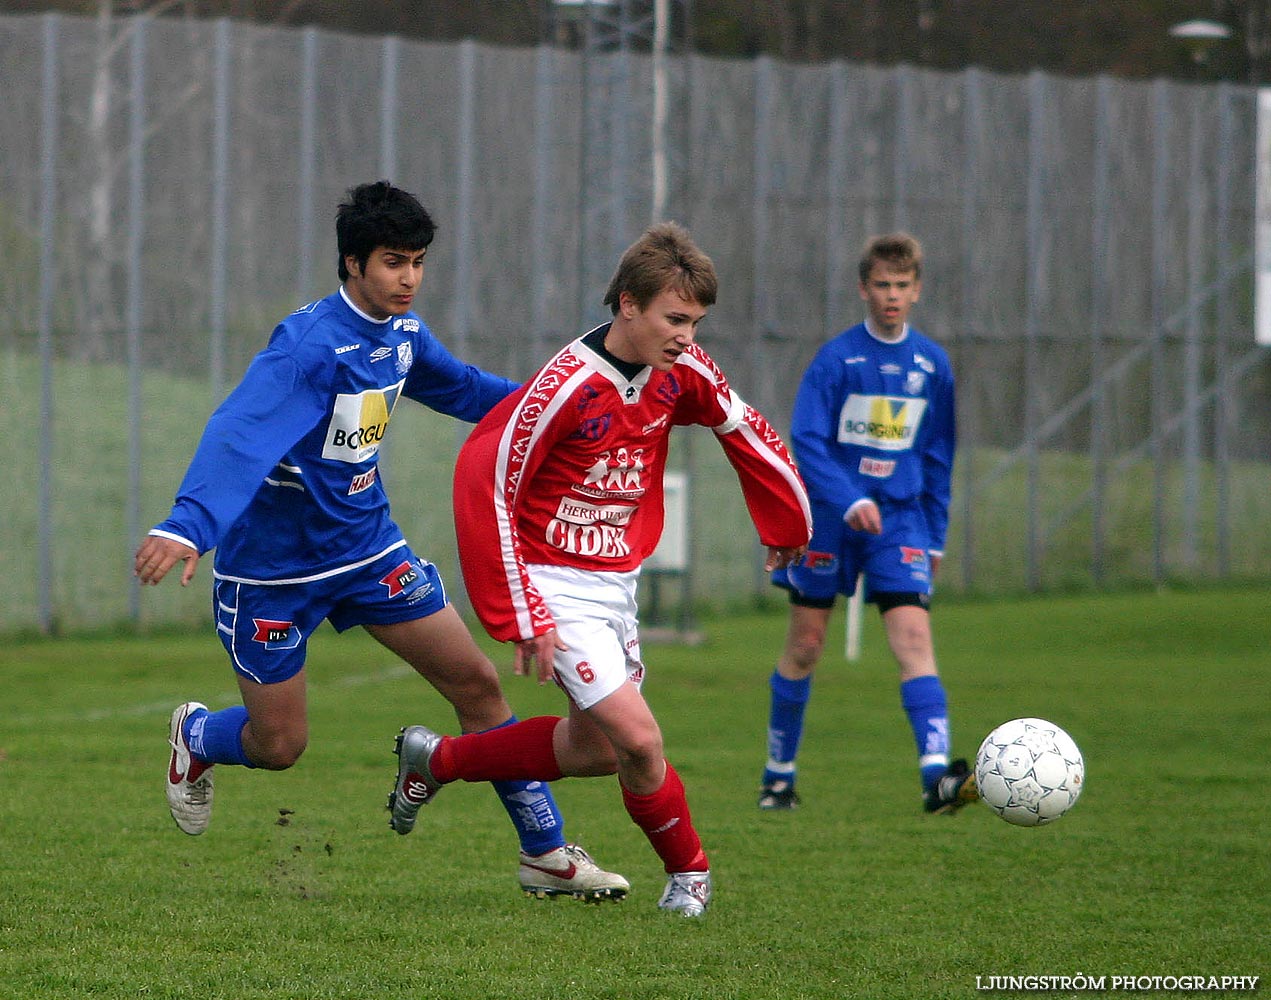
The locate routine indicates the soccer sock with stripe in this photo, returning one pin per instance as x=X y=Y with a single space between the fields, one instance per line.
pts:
x=785 y=726
x=532 y=808
x=923 y=700
x=217 y=737
x=665 y=820
x=512 y=751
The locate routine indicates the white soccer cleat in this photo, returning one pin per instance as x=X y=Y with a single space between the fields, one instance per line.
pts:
x=687 y=893
x=189 y=780
x=569 y=871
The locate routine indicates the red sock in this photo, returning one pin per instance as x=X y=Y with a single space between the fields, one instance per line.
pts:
x=522 y=750
x=664 y=818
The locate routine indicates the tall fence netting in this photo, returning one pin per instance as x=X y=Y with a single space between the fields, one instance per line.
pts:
x=167 y=193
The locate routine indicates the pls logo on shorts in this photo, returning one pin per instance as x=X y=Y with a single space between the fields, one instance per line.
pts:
x=275 y=634
x=819 y=562
x=400 y=579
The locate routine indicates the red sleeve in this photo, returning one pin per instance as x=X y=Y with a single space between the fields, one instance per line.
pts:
x=770 y=482
x=494 y=466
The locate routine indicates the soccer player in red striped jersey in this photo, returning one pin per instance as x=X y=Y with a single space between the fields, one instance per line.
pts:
x=558 y=501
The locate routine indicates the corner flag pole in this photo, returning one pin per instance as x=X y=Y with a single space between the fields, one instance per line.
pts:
x=855 y=609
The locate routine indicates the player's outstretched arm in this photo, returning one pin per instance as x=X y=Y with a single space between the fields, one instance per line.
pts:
x=157 y=555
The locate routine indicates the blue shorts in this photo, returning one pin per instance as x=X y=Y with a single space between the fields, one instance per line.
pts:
x=265 y=627
x=894 y=562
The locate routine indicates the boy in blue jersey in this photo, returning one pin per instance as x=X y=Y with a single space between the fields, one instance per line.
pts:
x=873 y=435
x=285 y=486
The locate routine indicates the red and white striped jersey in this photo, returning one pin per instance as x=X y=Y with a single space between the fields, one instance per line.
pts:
x=567 y=471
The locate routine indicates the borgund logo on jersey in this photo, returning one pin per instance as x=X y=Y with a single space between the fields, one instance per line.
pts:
x=889 y=423
x=358 y=423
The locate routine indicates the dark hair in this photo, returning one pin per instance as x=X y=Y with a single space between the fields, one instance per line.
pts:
x=899 y=251
x=663 y=257
x=379 y=215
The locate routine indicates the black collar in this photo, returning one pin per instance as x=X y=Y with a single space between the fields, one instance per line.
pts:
x=596 y=341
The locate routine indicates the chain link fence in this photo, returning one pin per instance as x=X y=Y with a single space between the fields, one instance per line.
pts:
x=167 y=193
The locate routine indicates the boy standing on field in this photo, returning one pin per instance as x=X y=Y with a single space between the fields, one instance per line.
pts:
x=558 y=500
x=873 y=432
x=285 y=485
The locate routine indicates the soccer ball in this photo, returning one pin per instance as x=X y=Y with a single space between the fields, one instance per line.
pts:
x=1029 y=771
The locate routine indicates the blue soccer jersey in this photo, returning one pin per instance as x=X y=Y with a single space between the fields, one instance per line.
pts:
x=285 y=482
x=875 y=419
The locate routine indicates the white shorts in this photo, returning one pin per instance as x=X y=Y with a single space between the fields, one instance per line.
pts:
x=595 y=615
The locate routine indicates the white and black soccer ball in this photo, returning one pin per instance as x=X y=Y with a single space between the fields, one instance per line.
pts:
x=1029 y=771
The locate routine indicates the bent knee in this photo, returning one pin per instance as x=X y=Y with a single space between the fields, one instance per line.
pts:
x=803 y=651
x=279 y=752
x=644 y=755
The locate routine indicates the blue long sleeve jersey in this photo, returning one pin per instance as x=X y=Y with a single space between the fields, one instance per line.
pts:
x=285 y=483
x=874 y=419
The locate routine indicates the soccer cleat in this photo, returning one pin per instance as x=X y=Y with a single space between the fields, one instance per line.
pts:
x=778 y=795
x=415 y=784
x=189 y=780
x=569 y=871
x=954 y=789
x=686 y=893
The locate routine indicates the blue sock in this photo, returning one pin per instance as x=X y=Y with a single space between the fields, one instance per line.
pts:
x=924 y=702
x=533 y=812
x=785 y=726
x=217 y=737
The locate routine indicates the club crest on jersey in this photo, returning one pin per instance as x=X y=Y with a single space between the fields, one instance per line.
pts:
x=276 y=634
x=405 y=357
x=914 y=382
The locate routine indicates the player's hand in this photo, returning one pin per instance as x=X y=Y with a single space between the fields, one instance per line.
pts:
x=866 y=517
x=541 y=648
x=157 y=555
x=935 y=563
x=778 y=557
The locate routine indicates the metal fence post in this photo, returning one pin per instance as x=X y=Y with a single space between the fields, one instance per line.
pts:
x=49 y=104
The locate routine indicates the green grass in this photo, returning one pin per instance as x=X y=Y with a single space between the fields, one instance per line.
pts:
x=1161 y=869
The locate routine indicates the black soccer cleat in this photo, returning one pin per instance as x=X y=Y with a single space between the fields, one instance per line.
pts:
x=955 y=789
x=778 y=795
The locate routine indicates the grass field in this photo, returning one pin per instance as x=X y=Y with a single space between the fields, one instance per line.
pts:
x=300 y=890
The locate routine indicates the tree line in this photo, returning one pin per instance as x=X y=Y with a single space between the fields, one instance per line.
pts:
x=1124 y=38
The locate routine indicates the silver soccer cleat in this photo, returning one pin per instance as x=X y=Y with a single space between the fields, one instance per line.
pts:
x=415 y=784
x=687 y=893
